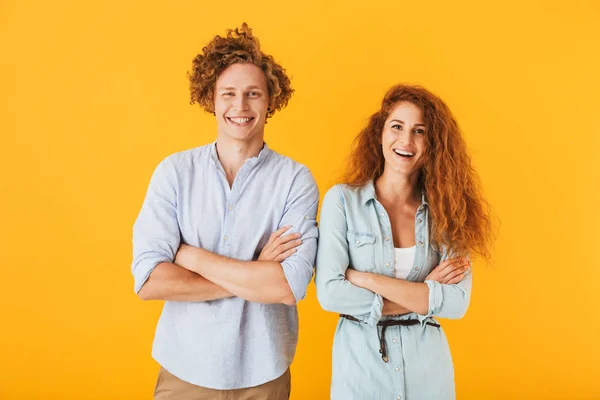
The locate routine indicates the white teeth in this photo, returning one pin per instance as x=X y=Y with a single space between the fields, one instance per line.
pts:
x=403 y=153
x=240 y=120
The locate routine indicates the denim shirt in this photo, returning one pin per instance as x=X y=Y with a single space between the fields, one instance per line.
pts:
x=355 y=232
x=227 y=343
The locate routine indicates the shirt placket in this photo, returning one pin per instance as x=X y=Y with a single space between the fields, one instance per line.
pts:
x=421 y=243
x=398 y=363
x=387 y=239
x=231 y=199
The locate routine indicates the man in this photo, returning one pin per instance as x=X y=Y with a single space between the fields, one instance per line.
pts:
x=227 y=236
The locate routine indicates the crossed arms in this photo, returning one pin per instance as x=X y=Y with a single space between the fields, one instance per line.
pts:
x=368 y=296
x=166 y=269
x=200 y=275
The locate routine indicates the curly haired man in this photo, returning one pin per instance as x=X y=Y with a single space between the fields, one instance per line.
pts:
x=227 y=237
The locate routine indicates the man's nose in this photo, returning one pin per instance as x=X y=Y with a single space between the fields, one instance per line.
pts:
x=240 y=103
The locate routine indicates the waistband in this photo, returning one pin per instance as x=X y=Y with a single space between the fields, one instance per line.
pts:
x=384 y=325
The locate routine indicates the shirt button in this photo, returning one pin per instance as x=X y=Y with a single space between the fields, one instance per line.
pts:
x=394 y=340
x=419 y=220
x=398 y=397
x=387 y=264
x=229 y=207
x=358 y=242
x=225 y=238
x=396 y=369
x=420 y=243
x=306 y=217
x=387 y=239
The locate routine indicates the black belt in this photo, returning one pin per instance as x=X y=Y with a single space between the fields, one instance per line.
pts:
x=384 y=325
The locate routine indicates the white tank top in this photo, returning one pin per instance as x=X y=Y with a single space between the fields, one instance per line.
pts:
x=403 y=261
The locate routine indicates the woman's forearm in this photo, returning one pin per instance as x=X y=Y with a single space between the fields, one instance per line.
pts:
x=391 y=308
x=412 y=296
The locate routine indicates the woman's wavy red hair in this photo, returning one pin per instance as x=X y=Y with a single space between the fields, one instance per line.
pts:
x=460 y=215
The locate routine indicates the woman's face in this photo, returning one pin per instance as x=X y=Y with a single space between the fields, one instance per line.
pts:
x=403 y=139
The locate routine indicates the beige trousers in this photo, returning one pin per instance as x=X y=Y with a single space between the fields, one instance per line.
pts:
x=169 y=387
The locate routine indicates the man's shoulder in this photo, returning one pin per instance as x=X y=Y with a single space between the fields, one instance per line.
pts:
x=186 y=158
x=286 y=163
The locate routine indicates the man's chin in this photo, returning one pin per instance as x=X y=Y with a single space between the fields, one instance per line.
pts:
x=241 y=136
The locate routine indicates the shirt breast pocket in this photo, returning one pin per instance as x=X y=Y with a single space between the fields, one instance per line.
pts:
x=361 y=246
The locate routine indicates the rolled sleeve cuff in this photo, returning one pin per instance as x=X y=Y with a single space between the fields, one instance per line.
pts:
x=143 y=269
x=298 y=277
x=436 y=298
x=376 y=312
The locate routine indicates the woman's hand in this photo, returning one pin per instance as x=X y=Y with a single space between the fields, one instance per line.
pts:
x=450 y=271
x=279 y=247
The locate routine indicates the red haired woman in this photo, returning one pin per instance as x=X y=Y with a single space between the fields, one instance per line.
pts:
x=393 y=250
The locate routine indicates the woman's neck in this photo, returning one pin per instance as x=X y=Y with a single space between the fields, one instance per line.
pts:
x=393 y=188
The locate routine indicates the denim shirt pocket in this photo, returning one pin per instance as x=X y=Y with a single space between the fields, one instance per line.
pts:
x=361 y=247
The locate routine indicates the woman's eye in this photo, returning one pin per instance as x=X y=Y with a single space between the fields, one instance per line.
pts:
x=397 y=126
x=419 y=131
x=254 y=94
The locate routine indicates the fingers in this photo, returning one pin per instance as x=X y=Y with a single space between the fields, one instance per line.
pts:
x=277 y=239
x=455 y=280
x=286 y=246
x=443 y=265
x=457 y=273
x=285 y=255
x=278 y=247
x=449 y=266
x=287 y=238
x=279 y=232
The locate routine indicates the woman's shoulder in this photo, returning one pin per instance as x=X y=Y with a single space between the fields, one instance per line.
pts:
x=343 y=193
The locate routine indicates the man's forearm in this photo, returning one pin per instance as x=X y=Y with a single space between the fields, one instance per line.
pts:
x=174 y=283
x=258 y=281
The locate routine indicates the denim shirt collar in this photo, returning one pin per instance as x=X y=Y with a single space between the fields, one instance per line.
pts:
x=367 y=193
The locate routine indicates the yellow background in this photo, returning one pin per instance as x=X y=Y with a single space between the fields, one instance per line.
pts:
x=94 y=94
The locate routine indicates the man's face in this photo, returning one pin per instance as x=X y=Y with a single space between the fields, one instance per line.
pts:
x=241 y=102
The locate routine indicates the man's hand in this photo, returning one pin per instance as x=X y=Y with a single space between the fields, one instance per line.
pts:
x=279 y=247
x=450 y=271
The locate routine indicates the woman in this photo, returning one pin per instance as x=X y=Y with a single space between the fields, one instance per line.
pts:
x=393 y=250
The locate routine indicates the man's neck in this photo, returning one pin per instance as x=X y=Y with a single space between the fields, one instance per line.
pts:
x=233 y=154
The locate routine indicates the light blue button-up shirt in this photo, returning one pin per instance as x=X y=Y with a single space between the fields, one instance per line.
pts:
x=228 y=343
x=355 y=232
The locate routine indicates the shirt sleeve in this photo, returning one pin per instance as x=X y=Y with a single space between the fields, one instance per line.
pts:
x=301 y=213
x=156 y=234
x=449 y=301
x=334 y=292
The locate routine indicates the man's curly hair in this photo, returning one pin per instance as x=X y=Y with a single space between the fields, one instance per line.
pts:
x=240 y=46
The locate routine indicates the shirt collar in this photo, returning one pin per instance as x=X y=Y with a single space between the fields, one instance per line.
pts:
x=264 y=152
x=367 y=192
